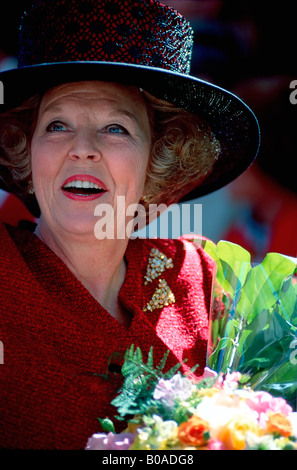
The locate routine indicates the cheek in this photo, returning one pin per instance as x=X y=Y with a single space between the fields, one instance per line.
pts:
x=131 y=168
x=44 y=171
x=38 y=162
x=42 y=161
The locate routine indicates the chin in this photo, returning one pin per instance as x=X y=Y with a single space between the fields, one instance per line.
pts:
x=77 y=224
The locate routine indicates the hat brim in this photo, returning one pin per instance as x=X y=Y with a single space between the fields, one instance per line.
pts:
x=231 y=120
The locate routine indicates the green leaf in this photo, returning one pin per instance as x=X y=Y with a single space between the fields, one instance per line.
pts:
x=233 y=265
x=288 y=300
x=262 y=288
x=275 y=262
x=210 y=248
x=267 y=343
x=107 y=425
x=233 y=254
x=280 y=380
x=220 y=358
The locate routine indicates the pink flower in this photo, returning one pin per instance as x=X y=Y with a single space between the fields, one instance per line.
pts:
x=209 y=373
x=177 y=387
x=215 y=444
x=233 y=378
x=229 y=381
x=263 y=402
x=110 y=441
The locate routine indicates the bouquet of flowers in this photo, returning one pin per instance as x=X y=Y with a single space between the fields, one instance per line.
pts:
x=172 y=412
x=247 y=396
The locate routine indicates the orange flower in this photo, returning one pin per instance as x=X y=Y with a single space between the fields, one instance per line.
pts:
x=279 y=423
x=194 y=432
x=234 y=432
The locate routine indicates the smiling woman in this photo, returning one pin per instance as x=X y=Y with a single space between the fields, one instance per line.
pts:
x=75 y=144
x=111 y=117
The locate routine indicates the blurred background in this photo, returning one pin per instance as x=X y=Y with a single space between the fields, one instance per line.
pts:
x=246 y=47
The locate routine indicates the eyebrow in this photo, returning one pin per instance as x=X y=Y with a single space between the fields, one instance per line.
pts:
x=52 y=108
x=117 y=109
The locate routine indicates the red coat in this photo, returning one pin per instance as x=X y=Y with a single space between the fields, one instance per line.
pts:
x=57 y=338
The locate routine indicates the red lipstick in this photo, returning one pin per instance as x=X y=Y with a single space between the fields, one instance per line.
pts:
x=83 y=187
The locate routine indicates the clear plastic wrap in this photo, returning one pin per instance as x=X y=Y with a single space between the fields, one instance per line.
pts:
x=253 y=324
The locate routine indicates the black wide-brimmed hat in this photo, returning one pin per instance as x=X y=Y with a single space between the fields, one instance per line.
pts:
x=135 y=42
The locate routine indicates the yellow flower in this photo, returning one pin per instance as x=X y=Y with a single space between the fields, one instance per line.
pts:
x=171 y=442
x=234 y=432
x=208 y=392
x=193 y=432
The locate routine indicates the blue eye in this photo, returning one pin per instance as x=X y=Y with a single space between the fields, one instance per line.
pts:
x=56 y=127
x=116 y=129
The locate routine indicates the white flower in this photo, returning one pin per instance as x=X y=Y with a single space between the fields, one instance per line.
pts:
x=265 y=442
x=219 y=409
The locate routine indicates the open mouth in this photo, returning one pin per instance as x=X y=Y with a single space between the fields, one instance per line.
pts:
x=83 y=187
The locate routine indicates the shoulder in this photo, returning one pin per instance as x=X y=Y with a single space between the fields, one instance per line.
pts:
x=15 y=285
x=185 y=253
x=7 y=245
x=13 y=241
x=188 y=245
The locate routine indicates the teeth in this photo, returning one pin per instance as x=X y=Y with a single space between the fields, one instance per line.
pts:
x=82 y=184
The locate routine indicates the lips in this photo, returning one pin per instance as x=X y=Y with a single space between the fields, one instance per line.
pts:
x=83 y=187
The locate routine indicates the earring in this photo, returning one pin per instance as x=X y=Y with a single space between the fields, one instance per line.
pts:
x=144 y=198
x=31 y=190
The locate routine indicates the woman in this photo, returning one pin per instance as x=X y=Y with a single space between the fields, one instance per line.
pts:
x=99 y=118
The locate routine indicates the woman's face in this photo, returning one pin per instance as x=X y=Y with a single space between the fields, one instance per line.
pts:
x=91 y=144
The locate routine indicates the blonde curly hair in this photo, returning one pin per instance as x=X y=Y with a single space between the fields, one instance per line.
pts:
x=183 y=149
x=16 y=130
x=183 y=153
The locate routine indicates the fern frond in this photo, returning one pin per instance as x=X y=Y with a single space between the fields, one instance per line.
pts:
x=140 y=379
x=150 y=358
x=163 y=361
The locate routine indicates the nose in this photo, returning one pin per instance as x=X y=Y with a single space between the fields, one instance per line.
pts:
x=84 y=146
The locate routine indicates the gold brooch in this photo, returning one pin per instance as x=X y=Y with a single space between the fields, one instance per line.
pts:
x=157 y=264
x=163 y=296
